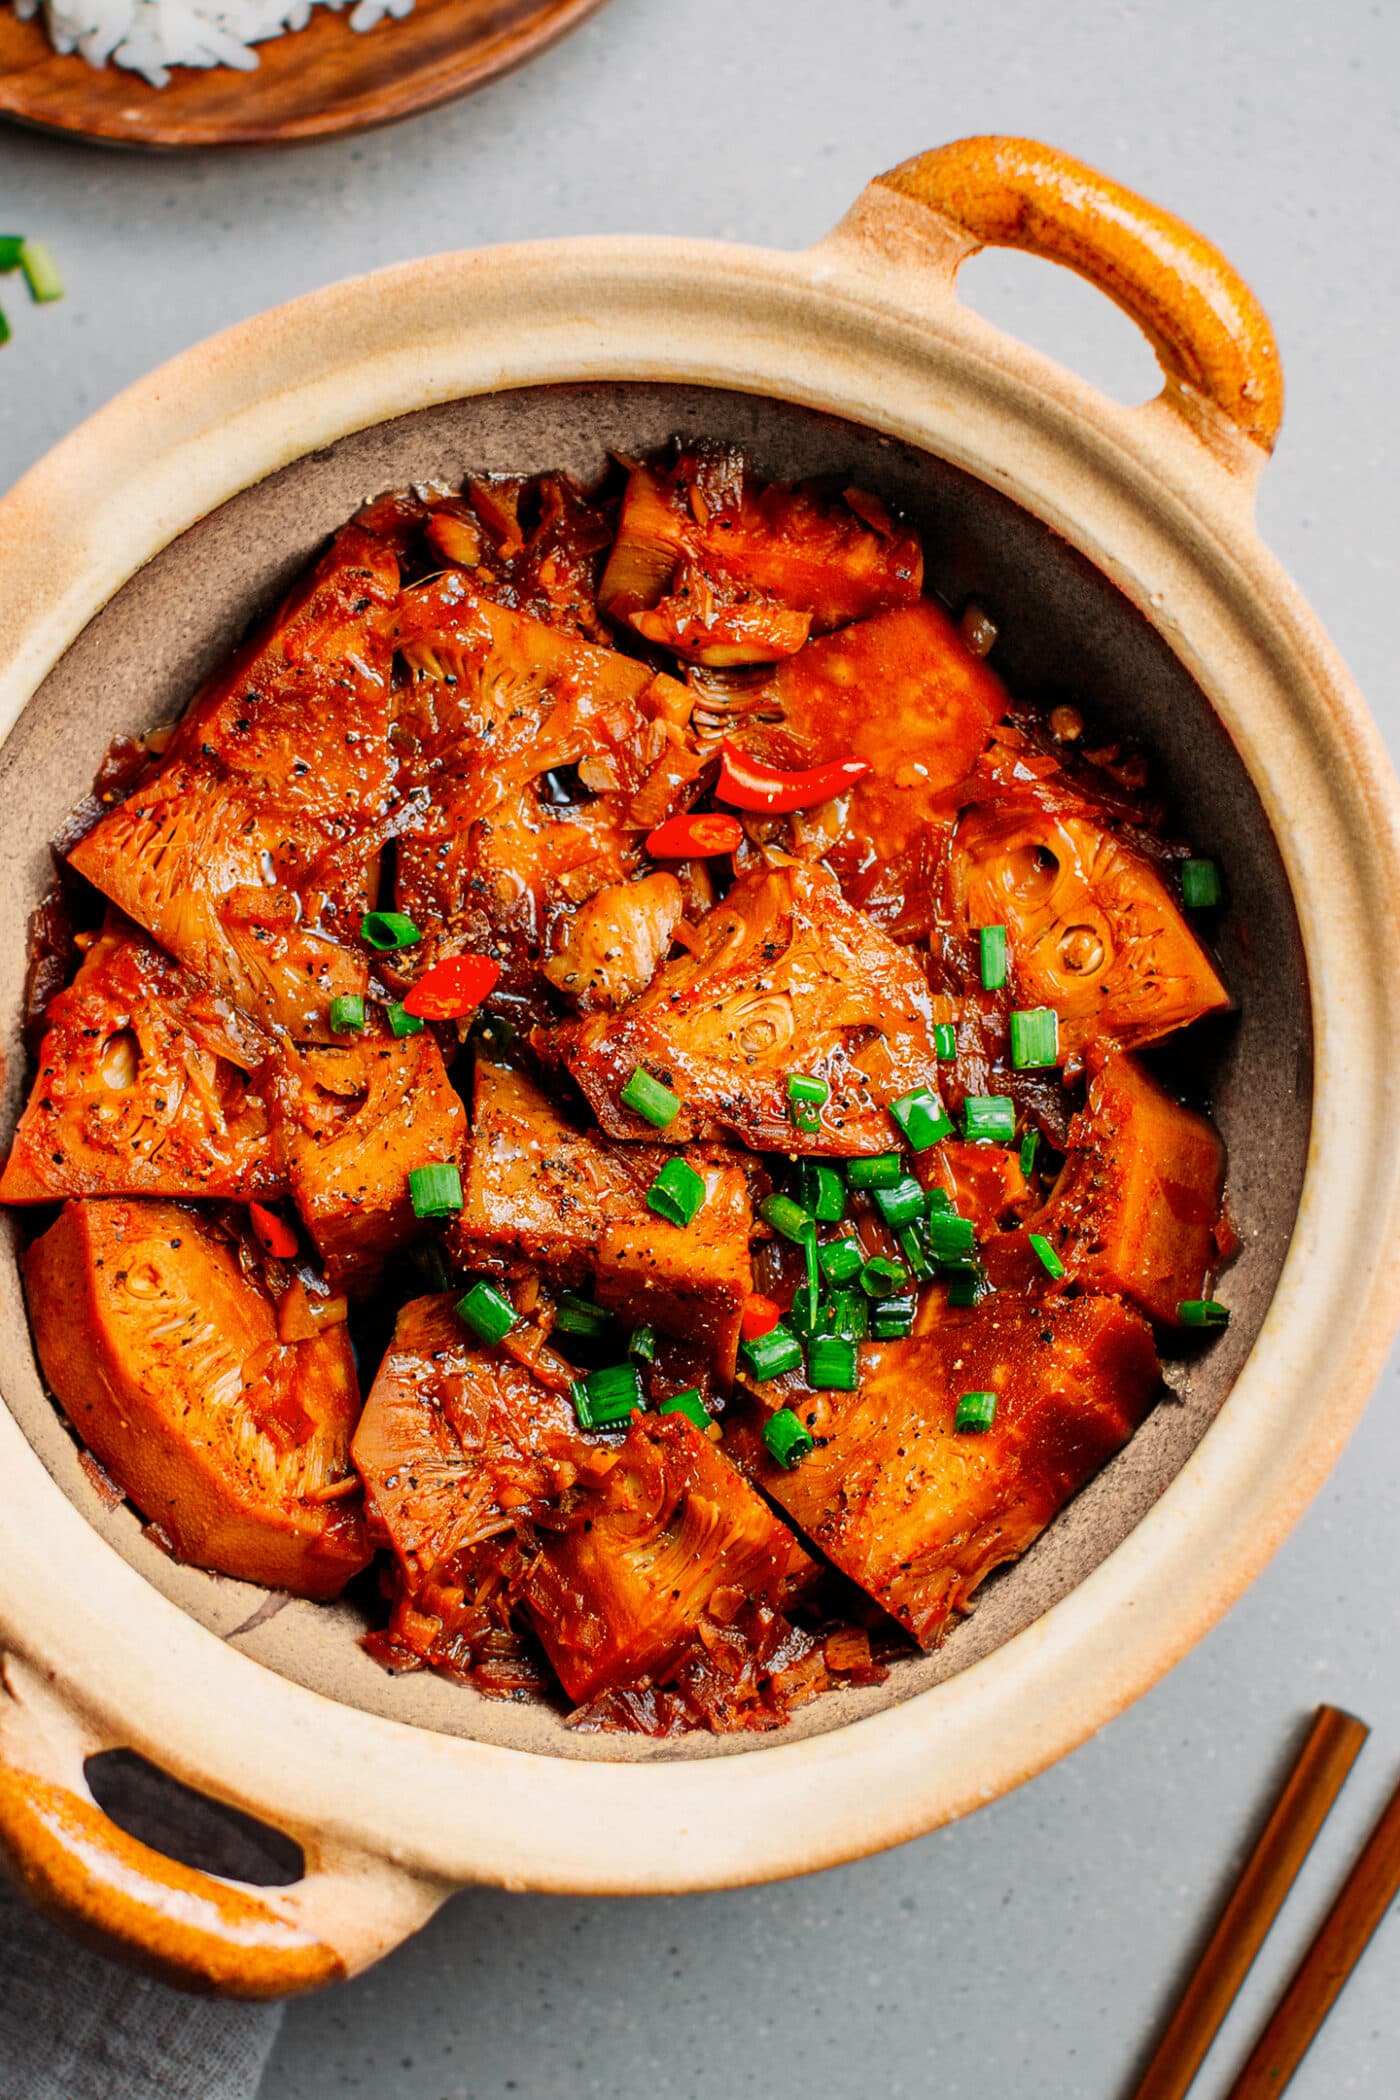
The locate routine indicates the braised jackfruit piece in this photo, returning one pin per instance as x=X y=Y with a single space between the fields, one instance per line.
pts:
x=783 y=977
x=660 y=1537
x=160 y=1339
x=142 y=1088
x=537 y=546
x=350 y=1124
x=251 y=854
x=724 y=570
x=615 y=943
x=688 y=1280
x=919 y=1513
x=1137 y=1205
x=532 y=745
x=1092 y=929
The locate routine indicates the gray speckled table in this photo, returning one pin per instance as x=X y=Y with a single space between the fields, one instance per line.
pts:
x=1031 y=1949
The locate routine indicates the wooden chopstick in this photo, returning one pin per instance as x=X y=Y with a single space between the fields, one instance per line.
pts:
x=1327 y=1756
x=1369 y=1890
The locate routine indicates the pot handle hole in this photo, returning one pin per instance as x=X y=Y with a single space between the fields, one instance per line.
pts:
x=194 y=1930
x=1211 y=336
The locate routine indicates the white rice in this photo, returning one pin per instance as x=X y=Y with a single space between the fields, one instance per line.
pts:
x=151 y=36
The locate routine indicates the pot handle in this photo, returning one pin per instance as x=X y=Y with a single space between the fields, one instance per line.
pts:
x=192 y=1930
x=1211 y=335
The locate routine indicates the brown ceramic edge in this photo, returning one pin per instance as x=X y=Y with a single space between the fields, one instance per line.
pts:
x=1288 y=1492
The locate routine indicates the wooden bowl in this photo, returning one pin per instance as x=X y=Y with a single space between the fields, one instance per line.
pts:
x=1117 y=550
x=318 y=83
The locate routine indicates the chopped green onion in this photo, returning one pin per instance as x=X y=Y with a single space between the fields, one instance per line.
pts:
x=881 y=1172
x=642 y=1345
x=945 y=1042
x=581 y=1316
x=1203 y=1312
x=976 y=1411
x=401 y=1022
x=937 y=1199
x=915 y=1252
x=805 y=1310
x=605 y=1398
x=1201 y=886
x=967 y=1288
x=1035 y=1038
x=902 y=1204
x=677 y=1193
x=991 y=955
x=921 y=1118
x=951 y=1238
x=347 y=1013
x=435 y=1191
x=5 y=329
x=891 y=1319
x=823 y=1192
x=388 y=929
x=831 y=1364
x=807 y=1097
x=1046 y=1255
x=788 y=1218
x=486 y=1312
x=649 y=1099
x=848 y=1313
x=786 y=1440
x=1030 y=1144
x=841 y=1260
x=40 y=273
x=990 y=1119
x=771 y=1355
x=882 y=1278
x=688 y=1404
x=11 y=248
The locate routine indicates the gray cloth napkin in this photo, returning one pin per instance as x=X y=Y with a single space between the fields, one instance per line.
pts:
x=75 y=2027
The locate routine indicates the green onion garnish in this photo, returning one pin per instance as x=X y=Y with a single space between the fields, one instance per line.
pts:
x=1203 y=1312
x=831 y=1364
x=882 y=1278
x=881 y=1172
x=804 y=1312
x=786 y=1440
x=40 y=273
x=581 y=1316
x=642 y=1345
x=6 y=332
x=1201 y=886
x=435 y=1191
x=486 y=1312
x=937 y=1199
x=976 y=1411
x=967 y=1289
x=822 y=1191
x=990 y=1119
x=649 y=1099
x=1030 y=1144
x=1035 y=1038
x=807 y=1097
x=1045 y=1253
x=945 y=1042
x=991 y=955
x=841 y=1260
x=951 y=1238
x=770 y=1355
x=893 y=1318
x=347 y=1013
x=848 y=1313
x=921 y=1118
x=401 y=1022
x=903 y=1203
x=677 y=1193
x=11 y=248
x=688 y=1404
x=788 y=1218
x=915 y=1252
x=388 y=929
x=605 y=1398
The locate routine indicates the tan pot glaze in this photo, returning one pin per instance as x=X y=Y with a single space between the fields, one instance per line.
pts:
x=1126 y=538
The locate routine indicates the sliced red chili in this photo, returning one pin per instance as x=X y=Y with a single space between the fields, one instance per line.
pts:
x=451 y=988
x=274 y=1234
x=746 y=783
x=759 y=1316
x=694 y=838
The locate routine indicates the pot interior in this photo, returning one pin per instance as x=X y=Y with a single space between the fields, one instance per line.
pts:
x=1064 y=629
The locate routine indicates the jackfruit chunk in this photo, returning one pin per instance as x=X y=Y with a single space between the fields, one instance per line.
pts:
x=160 y=1340
x=140 y=1088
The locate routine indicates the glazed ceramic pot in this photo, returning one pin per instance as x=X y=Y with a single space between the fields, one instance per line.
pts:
x=1116 y=550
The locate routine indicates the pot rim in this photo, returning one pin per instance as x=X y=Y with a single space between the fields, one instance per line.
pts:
x=1164 y=508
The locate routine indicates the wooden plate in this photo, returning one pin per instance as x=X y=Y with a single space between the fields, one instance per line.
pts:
x=317 y=83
